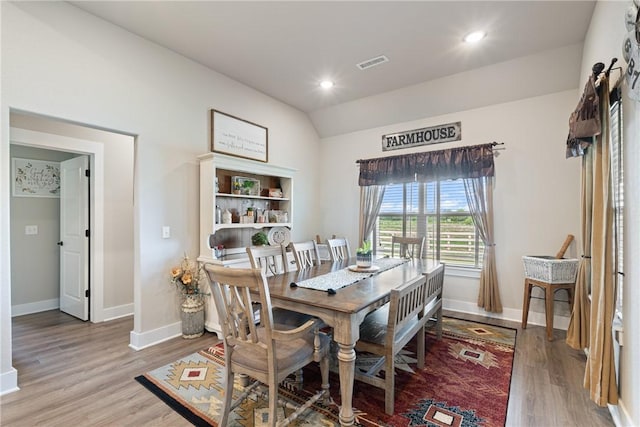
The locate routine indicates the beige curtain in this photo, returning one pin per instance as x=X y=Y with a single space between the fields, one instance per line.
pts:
x=479 y=193
x=600 y=376
x=370 y=202
x=578 y=331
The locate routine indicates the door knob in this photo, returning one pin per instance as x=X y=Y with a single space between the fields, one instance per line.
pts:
x=60 y=243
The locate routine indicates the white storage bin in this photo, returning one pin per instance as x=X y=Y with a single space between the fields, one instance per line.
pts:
x=549 y=269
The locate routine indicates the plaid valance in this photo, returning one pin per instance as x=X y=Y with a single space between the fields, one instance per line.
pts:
x=454 y=163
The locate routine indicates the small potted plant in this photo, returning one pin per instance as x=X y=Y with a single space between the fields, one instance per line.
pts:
x=259 y=239
x=364 y=255
x=247 y=186
x=236 y=187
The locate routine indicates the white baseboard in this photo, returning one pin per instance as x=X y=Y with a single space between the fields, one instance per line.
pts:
x=620 y=415
x=9 y=381
x=113 y=313
x=138 y=341
x=35 y=307
x=511 y=314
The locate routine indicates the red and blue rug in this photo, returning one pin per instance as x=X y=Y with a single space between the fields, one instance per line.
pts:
x=465 y=383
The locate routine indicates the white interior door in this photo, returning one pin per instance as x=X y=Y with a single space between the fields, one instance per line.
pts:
x=74 y=237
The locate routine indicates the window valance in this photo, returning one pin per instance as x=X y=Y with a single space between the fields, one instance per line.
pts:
x=454 y=163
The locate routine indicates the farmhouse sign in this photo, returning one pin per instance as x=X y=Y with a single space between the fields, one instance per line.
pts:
x=425 y=136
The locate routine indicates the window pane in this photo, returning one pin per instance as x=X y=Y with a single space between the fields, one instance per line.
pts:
x=392 y=201
x=617 y=171
x=437 y=210
x=452 y=197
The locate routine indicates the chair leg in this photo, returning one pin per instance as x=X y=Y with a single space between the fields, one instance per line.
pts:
x=299 y=379
x=525 y=304
x=390 y=383
x=420 y=354
x=439 y=323
x=548 y=301
x=273 y=403
x=324 y=374
x=228 y=395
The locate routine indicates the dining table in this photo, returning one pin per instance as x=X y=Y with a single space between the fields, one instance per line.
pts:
x=343 y=308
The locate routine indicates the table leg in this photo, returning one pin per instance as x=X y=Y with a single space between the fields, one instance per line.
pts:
x=347 y=364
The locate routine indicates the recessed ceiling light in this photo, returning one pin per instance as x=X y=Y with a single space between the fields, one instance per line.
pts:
x=326 y=84
x=475 y=36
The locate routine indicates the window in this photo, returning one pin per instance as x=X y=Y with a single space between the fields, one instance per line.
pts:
x=617 y=171
x=436 y=210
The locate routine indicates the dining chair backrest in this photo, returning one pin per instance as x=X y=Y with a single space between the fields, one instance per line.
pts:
x=270 y=259
x=260 y=351
x=339 y=249
x=409 y=247
x=433 y=301
x=406 y=305
x=306 y=254
x=387 y=330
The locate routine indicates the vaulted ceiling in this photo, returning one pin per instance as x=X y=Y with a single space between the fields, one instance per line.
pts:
x=284 y=49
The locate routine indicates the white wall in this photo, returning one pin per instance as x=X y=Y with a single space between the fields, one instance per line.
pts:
x=61 y=62
x=536 y=196
x=603 y=42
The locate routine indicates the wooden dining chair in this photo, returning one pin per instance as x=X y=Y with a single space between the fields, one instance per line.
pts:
x=273 y=260
x=262 y=352
x=339 y=249
x=409 y=247
x=306 y=254
x=386 y=331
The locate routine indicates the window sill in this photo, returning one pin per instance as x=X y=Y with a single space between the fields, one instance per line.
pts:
x=472 y=273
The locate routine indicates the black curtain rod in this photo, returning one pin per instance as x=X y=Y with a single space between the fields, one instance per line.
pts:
x=598 y=67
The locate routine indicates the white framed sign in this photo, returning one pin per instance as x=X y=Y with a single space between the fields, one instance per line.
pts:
x=425 y=136
x=35 y=178
x=238 y=137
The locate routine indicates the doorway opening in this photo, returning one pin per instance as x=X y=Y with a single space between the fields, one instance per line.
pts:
x=111 y=158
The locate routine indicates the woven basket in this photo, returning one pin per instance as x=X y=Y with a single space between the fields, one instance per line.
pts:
x=549 y=269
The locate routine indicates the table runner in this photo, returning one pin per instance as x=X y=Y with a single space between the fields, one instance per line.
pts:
x=345 y=277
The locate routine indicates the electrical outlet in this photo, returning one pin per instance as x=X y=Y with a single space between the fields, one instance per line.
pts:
x=166 y=232
x=30 y=230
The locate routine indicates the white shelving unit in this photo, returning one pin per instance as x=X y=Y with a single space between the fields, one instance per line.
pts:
x=236 y=236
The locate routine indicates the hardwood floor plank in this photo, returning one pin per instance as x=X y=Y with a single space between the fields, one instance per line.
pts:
x=73 y=373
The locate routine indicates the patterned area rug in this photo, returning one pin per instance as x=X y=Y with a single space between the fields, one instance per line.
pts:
x=465 y=383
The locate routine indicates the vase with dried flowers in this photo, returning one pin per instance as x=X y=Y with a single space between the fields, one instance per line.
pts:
x=187 y=278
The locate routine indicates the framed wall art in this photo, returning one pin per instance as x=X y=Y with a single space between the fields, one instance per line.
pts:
x=35 y=178
x=238 y=137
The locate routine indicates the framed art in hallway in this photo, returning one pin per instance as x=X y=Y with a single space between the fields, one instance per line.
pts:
x=35 y=178
x=238 y=137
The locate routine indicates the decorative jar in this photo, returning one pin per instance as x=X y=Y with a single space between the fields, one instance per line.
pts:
x=192 y=316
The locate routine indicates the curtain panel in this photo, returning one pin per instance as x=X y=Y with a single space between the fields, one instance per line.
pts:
x=370 y=203
x=463 y=162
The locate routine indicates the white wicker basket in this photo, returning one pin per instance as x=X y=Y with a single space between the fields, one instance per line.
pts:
x=549 y=269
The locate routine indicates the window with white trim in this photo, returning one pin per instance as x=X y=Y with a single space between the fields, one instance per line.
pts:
x=436 y=210
x=617 y=172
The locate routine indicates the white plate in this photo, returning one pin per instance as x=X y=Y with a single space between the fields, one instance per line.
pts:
x=279 y=236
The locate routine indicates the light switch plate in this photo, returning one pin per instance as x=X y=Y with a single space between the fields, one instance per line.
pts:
x=166 y=232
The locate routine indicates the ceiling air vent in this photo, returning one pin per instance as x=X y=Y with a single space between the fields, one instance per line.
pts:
x=373 y=62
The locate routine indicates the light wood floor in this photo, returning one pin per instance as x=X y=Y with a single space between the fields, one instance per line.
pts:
x=77 y=374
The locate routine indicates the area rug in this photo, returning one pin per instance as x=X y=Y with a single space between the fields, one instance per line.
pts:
x=465 y=383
